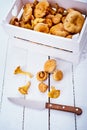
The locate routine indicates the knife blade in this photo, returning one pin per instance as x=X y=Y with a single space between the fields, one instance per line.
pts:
x=41 y=105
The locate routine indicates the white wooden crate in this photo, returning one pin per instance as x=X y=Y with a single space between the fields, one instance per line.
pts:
x=64 y=48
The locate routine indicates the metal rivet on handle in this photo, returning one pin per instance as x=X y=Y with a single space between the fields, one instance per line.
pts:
x=76 y=109
x=63 y=107
x=50 y=105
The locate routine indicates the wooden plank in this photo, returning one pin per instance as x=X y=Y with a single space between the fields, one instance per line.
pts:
x=3 y=51
x=3 y=41
x=58 y=119
x=11 y=116
x=80 y=84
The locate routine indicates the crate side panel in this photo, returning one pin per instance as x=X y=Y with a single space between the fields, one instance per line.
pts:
x=42 y=38
x=50 y=51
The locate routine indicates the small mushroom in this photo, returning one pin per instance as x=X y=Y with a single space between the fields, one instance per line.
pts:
x=54 y=93
x=50 y=65
x=42 y=75
x=18 y=70
x=57 y=75
x=24 y=89
x=42 y=87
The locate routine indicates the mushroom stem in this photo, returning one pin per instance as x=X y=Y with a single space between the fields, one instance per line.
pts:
x=18 y=70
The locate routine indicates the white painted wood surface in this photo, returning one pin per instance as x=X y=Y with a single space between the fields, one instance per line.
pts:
x=73 y=87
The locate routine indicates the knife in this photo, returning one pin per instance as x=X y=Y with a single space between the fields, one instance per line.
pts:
x=40 y=105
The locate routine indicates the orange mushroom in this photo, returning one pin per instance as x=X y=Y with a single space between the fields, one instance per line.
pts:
x=24 y=89
x=18 y=70
x=54 y=93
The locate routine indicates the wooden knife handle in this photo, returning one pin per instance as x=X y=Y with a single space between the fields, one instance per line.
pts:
x=65 y=108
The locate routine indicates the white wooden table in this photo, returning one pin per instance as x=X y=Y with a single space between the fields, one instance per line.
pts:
x=73 y=87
